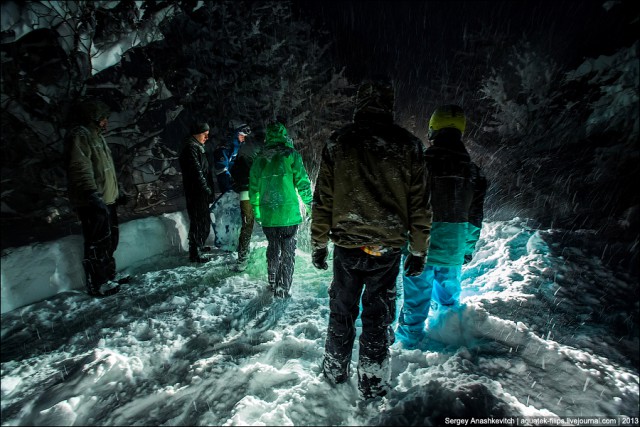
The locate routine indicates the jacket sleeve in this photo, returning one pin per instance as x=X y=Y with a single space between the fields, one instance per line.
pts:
x=420 y=213
x=254 y=190
x=221 y=160
x=80 y=167
x=240 y=169
x=476 y=210
x=301 y=180
x=194 y=168
x=322 y=209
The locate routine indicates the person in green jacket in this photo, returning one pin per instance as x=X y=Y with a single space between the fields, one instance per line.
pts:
x=277 y=181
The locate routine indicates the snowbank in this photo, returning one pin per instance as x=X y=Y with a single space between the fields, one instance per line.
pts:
x=36 y=272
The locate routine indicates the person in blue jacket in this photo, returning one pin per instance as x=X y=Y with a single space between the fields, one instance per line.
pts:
x=458 y=189
x=225 y=155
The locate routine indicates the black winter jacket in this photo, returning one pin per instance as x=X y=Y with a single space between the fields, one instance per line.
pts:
x=458 y=189
x=242 y=166
x=196 y=178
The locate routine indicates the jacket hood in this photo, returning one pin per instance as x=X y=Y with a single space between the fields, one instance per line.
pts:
x=375 y=102
x=90 y=112
x=277 y=135
x=449 y=143
x=190 y=140
x=450 y=139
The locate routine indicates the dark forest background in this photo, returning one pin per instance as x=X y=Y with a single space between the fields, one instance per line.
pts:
x=550 y=90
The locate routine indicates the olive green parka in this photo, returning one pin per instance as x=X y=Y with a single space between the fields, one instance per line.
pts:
x=372 y=185
x=90 y=164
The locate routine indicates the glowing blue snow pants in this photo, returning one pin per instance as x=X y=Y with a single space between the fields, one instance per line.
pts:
x=436 y=286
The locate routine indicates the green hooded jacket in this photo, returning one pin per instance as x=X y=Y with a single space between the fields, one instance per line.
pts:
x=276 y=179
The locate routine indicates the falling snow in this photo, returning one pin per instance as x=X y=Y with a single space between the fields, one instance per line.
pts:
x=202 y=345
x=549 y=321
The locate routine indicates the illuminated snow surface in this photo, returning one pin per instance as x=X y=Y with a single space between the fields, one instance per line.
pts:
x=540 y=336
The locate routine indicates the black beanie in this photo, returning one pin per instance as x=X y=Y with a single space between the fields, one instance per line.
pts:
x=198 y=128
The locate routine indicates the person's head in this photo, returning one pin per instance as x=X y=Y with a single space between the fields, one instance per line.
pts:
x=93 y=113
x=276 y=134
x=281 y=119
x=200 y=131
x=242 y=131
x=375 y=100
x=450 y=117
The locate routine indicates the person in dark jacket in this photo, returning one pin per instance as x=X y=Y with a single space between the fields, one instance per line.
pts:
x=277 y=181
x=240 y=171
x=197 y=189
x=458 y=190
x=225 y=155
x=371 y=195
x=94 y=194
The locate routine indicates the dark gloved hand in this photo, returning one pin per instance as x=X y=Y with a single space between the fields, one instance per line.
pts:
x=95 y=200
x=319 y=258
x=209 y=192
x=123 y=199
x=307 y=215
x=467 y=258
x=414 y=264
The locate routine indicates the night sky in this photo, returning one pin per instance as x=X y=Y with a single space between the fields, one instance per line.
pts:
x=396 y=34
x=436 y=51
x=414 y=40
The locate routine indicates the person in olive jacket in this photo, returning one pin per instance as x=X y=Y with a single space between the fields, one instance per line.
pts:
x=458 y=190
x=198 y=189
x=93 y=193
x=371 y=196
x=277 y=181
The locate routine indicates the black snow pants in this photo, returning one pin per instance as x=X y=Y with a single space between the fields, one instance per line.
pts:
x=281 y=257
x=101 y=234
x=357 y=274
x=199 y=222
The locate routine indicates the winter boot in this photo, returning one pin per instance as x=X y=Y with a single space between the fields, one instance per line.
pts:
x=94 y=274
x=242 y=264
x=195 y=255
x=106 y=289
x=280 y=292
x=409 y=336
x=373 y=378
x=335 y=372
x=272 y=282
x=109 y=288
x=371 y=386
x=123 y=279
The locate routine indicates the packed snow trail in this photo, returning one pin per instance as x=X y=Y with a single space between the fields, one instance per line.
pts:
x=203 y=345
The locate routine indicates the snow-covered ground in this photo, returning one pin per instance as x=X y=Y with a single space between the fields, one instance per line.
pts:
x=201 y=345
